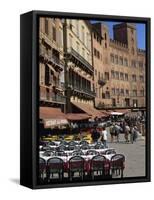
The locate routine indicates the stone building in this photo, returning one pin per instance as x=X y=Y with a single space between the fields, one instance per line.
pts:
x=79 y=70
x=51 y=63
x=119 y=67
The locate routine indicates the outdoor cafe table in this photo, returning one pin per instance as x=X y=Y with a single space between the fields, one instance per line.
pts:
x=87 y=159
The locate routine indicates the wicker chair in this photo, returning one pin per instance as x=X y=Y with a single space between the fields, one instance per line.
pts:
x=110 y=151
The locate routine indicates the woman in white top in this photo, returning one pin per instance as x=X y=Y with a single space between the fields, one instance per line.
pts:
x=104 y=137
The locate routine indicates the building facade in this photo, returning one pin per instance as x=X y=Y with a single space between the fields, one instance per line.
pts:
x=78 y=64
x=51 y=63
x=119 y=67
x=81 y=68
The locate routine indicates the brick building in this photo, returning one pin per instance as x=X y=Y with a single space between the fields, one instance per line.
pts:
x=119 y=67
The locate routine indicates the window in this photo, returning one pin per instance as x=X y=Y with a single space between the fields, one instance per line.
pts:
x=133 y=63
x=121 y=60
x=140 y=64
x=121 y=76
x=125 y=62
x=134 y=93
x=95 y=52
x=77 y=46
x=142 y=93
x=117 y=91
x=134 y=77
x=46 y=26
x=60 y=37
x=83 y=35
x=127 y=92
x=117 y=75
x=141 y=78
x=77 y=28
x=99 y=75
x=113 y=91
x=122 y=92
x=83 y=52
x=112 y=58
x=105 y=45
x=70 y=40
x=112 y=74
x=126 y=77
x=54 y=33
x=116 y=59
x=106 y=75
x=107 y=95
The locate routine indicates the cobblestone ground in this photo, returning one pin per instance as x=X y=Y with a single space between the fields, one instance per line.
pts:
x=134 y=153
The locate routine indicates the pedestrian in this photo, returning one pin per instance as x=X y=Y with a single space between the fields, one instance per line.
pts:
x=127 y=131
x=112 y=132
x=95 y=135
x=117 y=131
x=132 y=134
x=104 y=136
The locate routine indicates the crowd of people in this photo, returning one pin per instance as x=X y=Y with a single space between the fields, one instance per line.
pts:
x=131 y=127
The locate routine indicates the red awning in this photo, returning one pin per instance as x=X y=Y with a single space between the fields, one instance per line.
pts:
x=89 y=109
x=52 y=117
x=77 y=116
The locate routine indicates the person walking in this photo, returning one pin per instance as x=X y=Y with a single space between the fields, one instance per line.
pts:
x=112 y=132
x=104 y=136
x=127 y=130
x=95 y=135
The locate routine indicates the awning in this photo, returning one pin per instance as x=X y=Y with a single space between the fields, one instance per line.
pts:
x=77 y=116
x=124 y=111
x=89 y=109
x=52 y=117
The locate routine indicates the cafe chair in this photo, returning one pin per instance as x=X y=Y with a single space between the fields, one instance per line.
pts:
x=46 y=148
x=76 y=164
x=48 y=153
x=117 y=165
x=92 y=152
x=98 y=165
x=42 y=168
x=110 y=151
x=55 y=166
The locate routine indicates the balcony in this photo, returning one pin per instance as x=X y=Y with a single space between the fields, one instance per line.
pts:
x=84 y=91
x=47 y=95
x=101 y=82
x=76 y=57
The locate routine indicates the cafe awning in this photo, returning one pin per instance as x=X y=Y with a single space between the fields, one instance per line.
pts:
x=77 y=116
x=89 y=109
x=52 y=117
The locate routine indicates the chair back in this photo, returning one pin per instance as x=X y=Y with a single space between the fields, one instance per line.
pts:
x=98 y=162
x=85 y=147
x=48 y=153
x=55 y=164
x=110 y=151
x=76 y=163
x=42 y=164
x=92 y=152
x=46 y=148
x=118 y=161
x=77 y=153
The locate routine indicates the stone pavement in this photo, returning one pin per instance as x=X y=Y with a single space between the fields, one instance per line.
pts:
x=134 y=153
